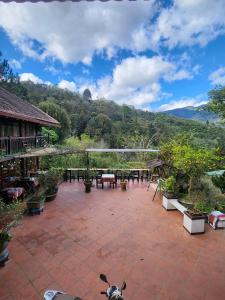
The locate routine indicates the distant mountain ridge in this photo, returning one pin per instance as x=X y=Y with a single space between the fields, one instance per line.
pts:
x=194 y=113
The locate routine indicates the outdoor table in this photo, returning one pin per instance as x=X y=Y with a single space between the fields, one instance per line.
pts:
x=14 y=193
x=108 y=178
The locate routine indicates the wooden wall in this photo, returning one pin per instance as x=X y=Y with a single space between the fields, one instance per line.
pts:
x=11 y=127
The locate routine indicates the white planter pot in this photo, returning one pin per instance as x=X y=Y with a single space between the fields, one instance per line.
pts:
x=194 y=224
x=166 y=203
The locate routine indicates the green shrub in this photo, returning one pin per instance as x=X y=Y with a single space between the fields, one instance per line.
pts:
x=219 y=181
x=206 y=196
x=169 y=185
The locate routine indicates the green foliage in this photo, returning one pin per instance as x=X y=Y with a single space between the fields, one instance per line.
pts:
x=6 y=73
x=37 y=198
x=60 y=114
x=51 y=179
x=194 y=162
x=190 y=161
x=217 y=101
x=100 y=127
x=124 y=125
x=10 y=214
x=81 y=143
x=206 y=195
x=169 y=185
x=203 y=207
x=219 y=181
x=53 y=136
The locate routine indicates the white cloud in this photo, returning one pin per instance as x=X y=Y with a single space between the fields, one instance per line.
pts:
x=218 y=77
x=67 y=85
x=74 y=32
x=136 y=80
x=30 y=77
x=14 y=63
x=52 y=70
x=33 y=78
x=189 y=22
x=199 y=100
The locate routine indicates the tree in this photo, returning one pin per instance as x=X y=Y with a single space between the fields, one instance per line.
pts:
x=87 y=95
x=50 y=133
x=100 y=126
x=78 y=123
x=217 y=101
x=193 y=162
x=6 y=73
x=60 y=115
x=9 y=80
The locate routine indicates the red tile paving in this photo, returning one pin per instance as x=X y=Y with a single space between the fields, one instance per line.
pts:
x=122 y=234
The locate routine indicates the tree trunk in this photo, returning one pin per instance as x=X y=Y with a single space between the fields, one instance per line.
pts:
x=190 y=188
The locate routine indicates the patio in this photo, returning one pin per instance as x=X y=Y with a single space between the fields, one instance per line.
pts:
x=122 y=234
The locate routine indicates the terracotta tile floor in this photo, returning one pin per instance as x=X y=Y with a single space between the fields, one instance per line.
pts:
x=122 y=234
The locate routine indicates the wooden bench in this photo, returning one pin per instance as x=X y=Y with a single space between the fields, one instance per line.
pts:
x=178 y=205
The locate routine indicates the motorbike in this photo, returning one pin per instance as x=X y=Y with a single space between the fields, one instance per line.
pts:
x=112 y=292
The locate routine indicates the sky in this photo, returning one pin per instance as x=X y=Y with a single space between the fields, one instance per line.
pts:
x=154 y=55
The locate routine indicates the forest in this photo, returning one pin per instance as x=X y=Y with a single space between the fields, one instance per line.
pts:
x=103 y=122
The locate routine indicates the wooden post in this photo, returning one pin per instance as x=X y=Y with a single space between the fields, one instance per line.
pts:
x=9 y=146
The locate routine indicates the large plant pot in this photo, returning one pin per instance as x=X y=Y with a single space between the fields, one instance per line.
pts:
x=52 y=196
x=88 y=185
x=123 y=185
x=36 y=206
x=166 y=203
x=194 y=223
x=4 y=253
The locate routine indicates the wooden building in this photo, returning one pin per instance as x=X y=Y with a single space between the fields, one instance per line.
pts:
x=20 y=131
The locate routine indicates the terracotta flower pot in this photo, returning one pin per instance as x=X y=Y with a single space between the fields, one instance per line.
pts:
x=123 y=185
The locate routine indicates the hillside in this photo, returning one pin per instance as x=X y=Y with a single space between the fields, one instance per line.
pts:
x=194 y=113
x=118 y=125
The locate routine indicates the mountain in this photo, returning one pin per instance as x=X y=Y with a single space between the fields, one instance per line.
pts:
x=194 y=113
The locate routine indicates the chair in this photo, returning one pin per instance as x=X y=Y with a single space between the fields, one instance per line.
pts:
x=98 y=178
x=80 y=175
x=134 y=175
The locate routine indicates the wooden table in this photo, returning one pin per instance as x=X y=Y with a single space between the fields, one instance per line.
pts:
x=15 y=192
x=108 y=178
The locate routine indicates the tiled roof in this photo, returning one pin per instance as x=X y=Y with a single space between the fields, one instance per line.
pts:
x=16 y=108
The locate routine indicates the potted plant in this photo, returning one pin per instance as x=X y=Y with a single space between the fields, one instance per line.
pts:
x=123 y=181
x=169 y=190
x=35 y=204
x=52 y=178
x=9 y=216
x=87 y=181
x=205 y=198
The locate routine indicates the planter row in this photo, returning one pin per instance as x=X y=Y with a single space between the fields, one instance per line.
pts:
x=194 y=224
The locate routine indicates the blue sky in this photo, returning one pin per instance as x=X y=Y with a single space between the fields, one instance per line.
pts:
x=154 y=55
